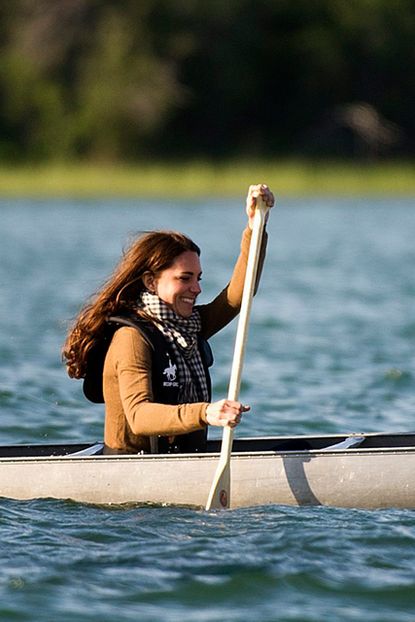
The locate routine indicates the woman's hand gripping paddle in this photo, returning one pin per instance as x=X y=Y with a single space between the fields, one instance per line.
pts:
x=220 y=493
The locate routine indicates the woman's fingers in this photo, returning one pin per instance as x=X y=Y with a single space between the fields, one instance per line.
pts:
x=234 y=407
x=255 y=191
x=225 y=412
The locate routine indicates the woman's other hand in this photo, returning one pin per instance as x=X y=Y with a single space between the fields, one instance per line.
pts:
x=225 y=412
x=255 y=191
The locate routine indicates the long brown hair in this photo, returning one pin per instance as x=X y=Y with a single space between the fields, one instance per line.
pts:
x=152 y=252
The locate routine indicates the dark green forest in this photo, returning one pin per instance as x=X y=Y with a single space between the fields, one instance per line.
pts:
x=123 y=80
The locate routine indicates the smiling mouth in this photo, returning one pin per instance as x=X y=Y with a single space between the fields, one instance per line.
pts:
x=189 y=301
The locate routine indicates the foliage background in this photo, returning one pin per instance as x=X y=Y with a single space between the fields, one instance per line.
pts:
x=116 y=81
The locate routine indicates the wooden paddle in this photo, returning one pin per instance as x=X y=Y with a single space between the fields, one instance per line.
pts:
x=220 y=493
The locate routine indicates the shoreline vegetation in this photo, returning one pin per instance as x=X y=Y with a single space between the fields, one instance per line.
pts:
x=197 y=179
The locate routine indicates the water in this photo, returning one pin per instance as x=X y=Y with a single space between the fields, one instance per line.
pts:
x=331 y=349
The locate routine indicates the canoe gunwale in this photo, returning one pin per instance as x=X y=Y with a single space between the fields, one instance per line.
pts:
x=245 y=455
x=300 y=446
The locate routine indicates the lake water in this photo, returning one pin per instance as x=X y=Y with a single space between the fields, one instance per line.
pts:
x=331 y=349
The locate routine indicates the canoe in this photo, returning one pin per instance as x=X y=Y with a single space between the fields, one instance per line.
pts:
x=355 y=471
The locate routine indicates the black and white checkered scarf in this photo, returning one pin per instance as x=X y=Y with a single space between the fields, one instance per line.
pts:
x=181 y=333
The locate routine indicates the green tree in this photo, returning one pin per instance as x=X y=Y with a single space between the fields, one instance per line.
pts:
x=104 y=79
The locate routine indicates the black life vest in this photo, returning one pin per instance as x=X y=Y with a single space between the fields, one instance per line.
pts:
x=164 y=383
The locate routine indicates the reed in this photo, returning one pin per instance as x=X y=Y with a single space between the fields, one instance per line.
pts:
x=206 y=179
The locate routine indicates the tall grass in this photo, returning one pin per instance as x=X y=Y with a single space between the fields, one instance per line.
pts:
x=197 y=179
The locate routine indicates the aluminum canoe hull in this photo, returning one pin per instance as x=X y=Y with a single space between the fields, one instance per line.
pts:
x=361 y=477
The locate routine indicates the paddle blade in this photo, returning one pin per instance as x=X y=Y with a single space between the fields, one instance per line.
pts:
x=220 y=490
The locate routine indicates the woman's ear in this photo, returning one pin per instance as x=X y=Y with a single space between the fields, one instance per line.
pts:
x=149 y=282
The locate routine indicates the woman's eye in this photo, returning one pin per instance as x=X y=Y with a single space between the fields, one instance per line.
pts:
x=188 y=278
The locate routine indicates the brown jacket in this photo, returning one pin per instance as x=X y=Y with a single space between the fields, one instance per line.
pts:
x=131 y=415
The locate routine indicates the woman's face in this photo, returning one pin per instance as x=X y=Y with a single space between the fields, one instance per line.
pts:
x=179 y=286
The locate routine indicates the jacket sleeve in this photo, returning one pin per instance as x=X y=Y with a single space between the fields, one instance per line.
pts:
x=128 y=390
x=225 y=307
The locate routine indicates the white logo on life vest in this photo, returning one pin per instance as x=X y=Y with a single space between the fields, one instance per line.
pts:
x=170 y=373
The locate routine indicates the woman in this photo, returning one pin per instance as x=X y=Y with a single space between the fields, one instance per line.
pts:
x=141 y=345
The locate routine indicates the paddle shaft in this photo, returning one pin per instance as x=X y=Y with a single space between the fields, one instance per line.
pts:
x=219 y=496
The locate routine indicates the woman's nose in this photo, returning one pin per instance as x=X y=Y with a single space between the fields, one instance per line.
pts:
x=196 y=289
